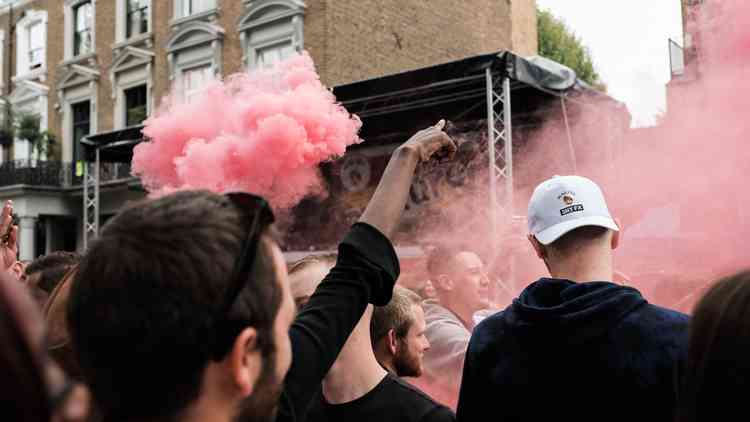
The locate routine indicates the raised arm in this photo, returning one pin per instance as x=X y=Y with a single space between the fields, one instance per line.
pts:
x=366 y=270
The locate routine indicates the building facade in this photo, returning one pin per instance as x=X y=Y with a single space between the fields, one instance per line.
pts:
x=71 y=68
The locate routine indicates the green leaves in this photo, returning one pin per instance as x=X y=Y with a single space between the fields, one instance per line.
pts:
x=559 y=43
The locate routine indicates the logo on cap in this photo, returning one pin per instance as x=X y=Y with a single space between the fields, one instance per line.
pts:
x=567 y=197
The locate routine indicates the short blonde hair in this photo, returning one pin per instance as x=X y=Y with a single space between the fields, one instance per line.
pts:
x=397 y=315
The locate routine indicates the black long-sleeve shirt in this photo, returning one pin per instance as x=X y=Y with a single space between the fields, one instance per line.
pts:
x=365 y=272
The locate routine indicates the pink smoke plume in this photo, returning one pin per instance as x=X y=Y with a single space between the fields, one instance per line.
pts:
x=680 y=188
x=263 y=131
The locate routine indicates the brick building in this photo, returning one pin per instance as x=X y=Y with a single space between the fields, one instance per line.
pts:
x=89 y=66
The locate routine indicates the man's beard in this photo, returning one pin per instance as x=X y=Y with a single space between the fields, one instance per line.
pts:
x=263 y=404
x=405 y=364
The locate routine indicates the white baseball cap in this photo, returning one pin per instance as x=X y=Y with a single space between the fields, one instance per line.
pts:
x=564 y=203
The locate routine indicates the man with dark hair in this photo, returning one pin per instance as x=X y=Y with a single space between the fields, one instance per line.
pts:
x=574 y=346
x=397 y=332
x=181 y=309
x=462 y=289
x=357 y=387
x=46 y=271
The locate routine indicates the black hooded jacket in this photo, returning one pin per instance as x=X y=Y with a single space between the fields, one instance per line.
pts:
x=574 y=351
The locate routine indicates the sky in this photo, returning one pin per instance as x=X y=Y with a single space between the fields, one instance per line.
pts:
x=628 y=42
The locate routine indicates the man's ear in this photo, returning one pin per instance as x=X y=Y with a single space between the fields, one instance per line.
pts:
x=541 y=252
x=245 y=361
x=616 y=234
x=443 y=282
x=392 y=341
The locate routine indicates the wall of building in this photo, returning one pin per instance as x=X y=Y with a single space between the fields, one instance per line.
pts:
x=524 y=27
x=371 y=38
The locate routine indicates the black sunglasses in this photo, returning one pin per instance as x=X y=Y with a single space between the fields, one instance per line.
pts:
x=257 y=216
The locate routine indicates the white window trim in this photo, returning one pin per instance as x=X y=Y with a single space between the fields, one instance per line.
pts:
x=214 y=41
x=70 y=5
x=178 y=18
x=248 y=22
x=22 y=70
x=40 y=93
x=121 y=25
x=120 y=102
x=2 y=66
x=66 y=100
x=187 y=67
x=143 y=58
x=68 y=122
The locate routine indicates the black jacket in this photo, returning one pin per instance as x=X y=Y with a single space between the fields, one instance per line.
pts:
x=568 y=351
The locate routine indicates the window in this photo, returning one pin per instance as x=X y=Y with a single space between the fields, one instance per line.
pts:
x=267 y=56
x=2 y=66
x=192 y=7
x=22 y=147
x=136 y=109
x=83 y=32
x=81 y=125
x=36 y=45
x=270 y=31
x=195 y=79
x=31 y=39
x=137 y=17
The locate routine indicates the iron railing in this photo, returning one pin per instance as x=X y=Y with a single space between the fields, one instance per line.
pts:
x=57 y=174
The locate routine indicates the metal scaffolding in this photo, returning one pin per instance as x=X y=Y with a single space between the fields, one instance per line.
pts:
x=90 y=200
x=500 y=154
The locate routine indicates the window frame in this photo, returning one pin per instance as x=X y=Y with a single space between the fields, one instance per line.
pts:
x=205 y=65
x=88 y=30
x=23 y=69
x=70 y=23
x=129 y=35
x=291 y=13
x=190 y=38
x=42 y=48
x=180 y=14
x=30 y=97
x=77 y=152
x=126 y=109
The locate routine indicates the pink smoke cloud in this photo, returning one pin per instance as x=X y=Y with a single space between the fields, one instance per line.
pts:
x=263 y=131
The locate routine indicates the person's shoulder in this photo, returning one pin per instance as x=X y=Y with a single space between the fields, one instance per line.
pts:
x=490 y=327
x=658 y=315
x=436 y=313
x=657 y=327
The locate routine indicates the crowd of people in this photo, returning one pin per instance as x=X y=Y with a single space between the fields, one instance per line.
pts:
x=184 y=309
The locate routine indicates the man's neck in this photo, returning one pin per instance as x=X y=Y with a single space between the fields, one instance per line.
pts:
x=206 y=408
x=356 y=372
x=589 y=265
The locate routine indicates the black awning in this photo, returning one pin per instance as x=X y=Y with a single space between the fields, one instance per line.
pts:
x=113 y=146
x=457 y=91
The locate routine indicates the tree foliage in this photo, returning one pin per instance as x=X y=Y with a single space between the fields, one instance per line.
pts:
x=559 y=43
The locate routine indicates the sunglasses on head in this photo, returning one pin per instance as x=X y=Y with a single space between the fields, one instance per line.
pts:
x=257 y=216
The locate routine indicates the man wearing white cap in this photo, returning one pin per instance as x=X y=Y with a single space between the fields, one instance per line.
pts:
x=574 y=346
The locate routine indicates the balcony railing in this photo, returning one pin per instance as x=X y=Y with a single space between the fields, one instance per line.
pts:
x=57 y=174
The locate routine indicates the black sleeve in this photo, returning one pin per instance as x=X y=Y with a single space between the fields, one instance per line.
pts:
x=439 y=414
x=365 y=272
